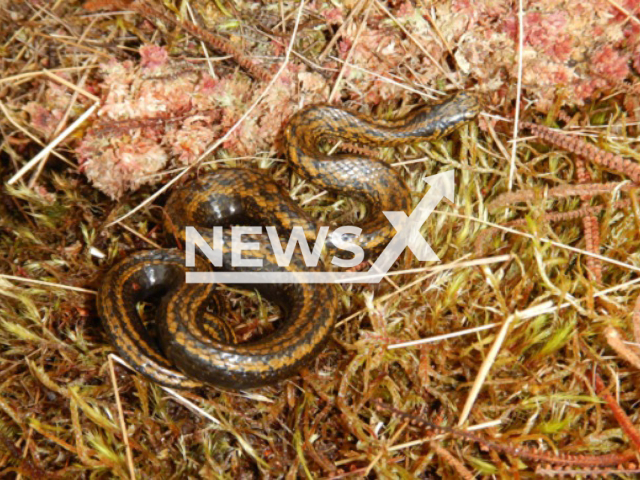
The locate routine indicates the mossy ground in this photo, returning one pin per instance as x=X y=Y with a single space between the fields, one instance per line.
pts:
x=59 y=415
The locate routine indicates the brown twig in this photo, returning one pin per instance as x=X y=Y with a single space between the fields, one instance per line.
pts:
x=485 y=235
x=124 y=126
x=591 y=227
x=635 y=319
x=26 y=467
x=452 y=461
x=616 y=409
x=524 y=453
x=586 y=150
x=216 y=42
x=507 y=199
x=548 y=471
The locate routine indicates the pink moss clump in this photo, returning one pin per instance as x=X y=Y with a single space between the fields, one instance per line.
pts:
x=572 y=49
x=153 y=56
x=151 y=113
x=121 y=166
x=610 y=63
x=163 y=113
x=160 y=113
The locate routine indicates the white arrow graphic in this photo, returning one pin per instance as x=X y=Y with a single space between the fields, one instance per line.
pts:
x=408 y=228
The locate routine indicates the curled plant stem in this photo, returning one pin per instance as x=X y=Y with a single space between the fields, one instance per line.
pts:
x=524 y=453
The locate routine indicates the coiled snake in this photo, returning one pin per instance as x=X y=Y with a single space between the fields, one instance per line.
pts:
x=196 y=345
